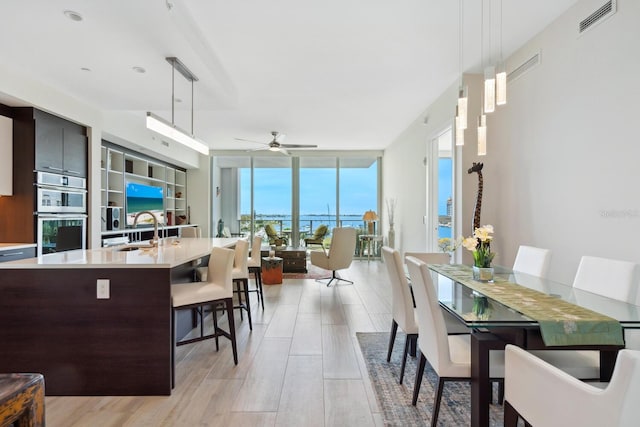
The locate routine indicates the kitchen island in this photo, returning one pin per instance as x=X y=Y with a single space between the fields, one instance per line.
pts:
x=96 y=322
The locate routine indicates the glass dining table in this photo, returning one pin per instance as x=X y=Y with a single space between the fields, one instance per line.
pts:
x=494 y=324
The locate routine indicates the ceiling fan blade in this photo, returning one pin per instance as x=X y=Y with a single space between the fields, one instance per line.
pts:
x=298 y=146
x=249 y=140
x=283 y=151
x=280 y=137
x=257 y=149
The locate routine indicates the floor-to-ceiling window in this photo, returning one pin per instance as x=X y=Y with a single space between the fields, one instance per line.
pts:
x=318 y=194
x=297 y=194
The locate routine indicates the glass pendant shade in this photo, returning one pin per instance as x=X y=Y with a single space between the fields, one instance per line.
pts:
x=459 y=131
x=501 y=86
x=482 y=135
x=489 y=89
x=462 y=107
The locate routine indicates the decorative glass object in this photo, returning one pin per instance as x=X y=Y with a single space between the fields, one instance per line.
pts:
x=483 y=274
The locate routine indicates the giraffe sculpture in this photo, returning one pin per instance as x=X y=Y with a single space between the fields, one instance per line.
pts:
x=477 y=167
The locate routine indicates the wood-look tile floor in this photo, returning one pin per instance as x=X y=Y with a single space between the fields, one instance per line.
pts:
x=300 y=366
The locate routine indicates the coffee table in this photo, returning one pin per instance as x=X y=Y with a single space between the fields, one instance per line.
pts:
x=294 y=259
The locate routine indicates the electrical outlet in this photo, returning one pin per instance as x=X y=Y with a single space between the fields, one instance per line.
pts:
x=102 y=289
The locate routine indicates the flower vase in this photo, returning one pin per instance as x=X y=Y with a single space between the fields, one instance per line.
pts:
x=391 y=240
x=483 y=274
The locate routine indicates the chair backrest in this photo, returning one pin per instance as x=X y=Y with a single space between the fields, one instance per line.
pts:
x=220 y=268
x=432 y=340
x=343 y=246
x=402 y=303
x=607 y=277
x=320 y=232
x=532 y=260
x=271 y=232
x=241 y=256
x=546 y=396
x=190 y=232
x=430 y=257
x=256 y=246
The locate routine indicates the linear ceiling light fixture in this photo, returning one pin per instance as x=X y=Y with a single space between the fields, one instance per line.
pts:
x=170 y=130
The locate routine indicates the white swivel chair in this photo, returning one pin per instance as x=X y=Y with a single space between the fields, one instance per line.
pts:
x=190 y=232
x=532 y=260
x=402 y=304
x=448 y=355
x=340 y=256
x=254 y=264
x=543 y=395
x=218 y=289
x=240 y=276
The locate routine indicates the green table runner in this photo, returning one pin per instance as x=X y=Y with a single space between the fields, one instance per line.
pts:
x=561 y=323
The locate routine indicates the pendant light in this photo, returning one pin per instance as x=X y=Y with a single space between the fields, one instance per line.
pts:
x=501 y=76
x=482 y=135
x=489 y=72
x=170 y=130
x=459 y=132
x=482 y=119
x=462 y=107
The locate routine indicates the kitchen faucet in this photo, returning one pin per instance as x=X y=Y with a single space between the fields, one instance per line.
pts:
x=154 y=241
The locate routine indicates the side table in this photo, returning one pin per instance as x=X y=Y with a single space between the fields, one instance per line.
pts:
x=272 y=270
x=366 y=240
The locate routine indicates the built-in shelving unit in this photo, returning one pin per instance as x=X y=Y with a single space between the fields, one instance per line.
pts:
x=120 y=166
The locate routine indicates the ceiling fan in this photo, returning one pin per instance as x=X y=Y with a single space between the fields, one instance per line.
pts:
x=276 y=144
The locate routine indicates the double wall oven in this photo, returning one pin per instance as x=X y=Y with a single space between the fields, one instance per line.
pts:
x=61 y=212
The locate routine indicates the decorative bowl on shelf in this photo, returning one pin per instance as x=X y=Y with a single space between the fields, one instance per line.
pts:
x=181 y=219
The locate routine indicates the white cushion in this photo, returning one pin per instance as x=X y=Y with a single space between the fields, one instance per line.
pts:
x=197 y=292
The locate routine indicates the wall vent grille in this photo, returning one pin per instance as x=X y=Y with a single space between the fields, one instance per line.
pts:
x=603 y=12
x=523 y=68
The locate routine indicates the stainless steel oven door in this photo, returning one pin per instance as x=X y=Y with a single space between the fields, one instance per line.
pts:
x=58 y=233
x=61 y=200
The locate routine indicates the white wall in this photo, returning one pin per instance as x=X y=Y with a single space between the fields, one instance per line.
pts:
x=404 y=174
x=562 y=165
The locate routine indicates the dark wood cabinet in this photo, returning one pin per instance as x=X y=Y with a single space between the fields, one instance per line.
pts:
x=41 y=141
x=60 y=145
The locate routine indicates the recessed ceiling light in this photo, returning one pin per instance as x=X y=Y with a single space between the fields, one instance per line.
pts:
x=139 y=70
x=85 y=69
x=74 y=16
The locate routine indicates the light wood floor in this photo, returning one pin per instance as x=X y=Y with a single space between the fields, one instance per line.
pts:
x=300 y=366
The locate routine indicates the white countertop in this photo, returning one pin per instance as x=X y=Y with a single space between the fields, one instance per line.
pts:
x=12 y=246
x=172 y=252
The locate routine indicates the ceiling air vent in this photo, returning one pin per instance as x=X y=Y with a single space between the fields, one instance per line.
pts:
x=523 y=68
x=602 y=13
x=165 y=143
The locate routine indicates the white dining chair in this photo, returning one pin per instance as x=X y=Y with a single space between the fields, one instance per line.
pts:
x=453 y=325
x=402 y=311
x=607 y=277
x=532 y=260
x=448 y=355
x=543 y=395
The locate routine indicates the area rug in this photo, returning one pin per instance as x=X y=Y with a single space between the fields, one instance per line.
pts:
x=395 y=399
x=313 y=272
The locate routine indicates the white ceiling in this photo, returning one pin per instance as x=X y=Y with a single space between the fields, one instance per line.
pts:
x=342 y=74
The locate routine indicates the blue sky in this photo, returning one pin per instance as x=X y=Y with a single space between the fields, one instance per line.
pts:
x=358 y=190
